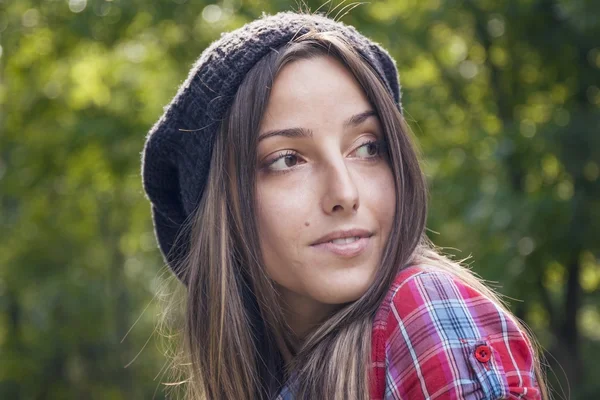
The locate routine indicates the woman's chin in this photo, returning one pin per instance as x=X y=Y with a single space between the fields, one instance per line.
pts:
x=341 y=290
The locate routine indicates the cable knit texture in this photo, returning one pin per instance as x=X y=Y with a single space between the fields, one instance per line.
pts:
x=176 y=156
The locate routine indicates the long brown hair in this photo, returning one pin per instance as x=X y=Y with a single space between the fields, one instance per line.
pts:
x=234 y=324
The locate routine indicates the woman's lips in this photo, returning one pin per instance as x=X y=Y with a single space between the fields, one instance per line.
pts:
x=347 y=250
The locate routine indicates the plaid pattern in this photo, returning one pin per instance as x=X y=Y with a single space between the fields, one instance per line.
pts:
x=427 y=338
x=285 y=394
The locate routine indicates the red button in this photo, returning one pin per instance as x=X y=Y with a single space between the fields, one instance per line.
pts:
x=483 y=353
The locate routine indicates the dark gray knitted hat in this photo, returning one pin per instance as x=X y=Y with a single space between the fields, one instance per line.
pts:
x=178 y=148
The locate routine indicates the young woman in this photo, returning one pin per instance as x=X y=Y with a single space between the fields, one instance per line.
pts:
x=288 y=198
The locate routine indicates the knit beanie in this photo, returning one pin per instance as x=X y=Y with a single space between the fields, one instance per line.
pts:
x=177 y=152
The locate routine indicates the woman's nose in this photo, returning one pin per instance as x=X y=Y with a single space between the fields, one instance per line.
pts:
x=340 y=190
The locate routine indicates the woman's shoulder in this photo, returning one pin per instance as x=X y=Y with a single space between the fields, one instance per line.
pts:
x=402 y=278
x=442 y=306
x=421 y=290
x=437 y=335
x=380 y=321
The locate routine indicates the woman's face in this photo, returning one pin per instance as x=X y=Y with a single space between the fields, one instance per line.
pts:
x=325 y=191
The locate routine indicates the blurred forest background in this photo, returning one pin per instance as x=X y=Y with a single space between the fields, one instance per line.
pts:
x=503 y=95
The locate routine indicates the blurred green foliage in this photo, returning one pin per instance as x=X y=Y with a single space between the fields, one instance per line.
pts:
x=503 y=96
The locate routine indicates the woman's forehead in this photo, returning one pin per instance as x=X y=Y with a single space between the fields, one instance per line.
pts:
x=315 y=89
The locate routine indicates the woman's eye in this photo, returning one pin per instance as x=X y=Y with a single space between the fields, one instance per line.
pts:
x=284 y=162
x=368 y=150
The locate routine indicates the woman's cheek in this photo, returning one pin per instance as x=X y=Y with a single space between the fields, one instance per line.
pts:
x=387 y=190
x=285 y=204
x=376 y=186
x=277 y=199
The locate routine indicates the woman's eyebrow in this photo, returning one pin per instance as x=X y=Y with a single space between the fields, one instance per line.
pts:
x=358 y=119
x=289 y=132
x=354 y=120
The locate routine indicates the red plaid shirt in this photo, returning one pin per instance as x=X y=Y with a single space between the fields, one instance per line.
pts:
x=437 y=338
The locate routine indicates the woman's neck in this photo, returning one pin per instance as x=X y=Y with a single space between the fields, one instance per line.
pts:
x=302 y=315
